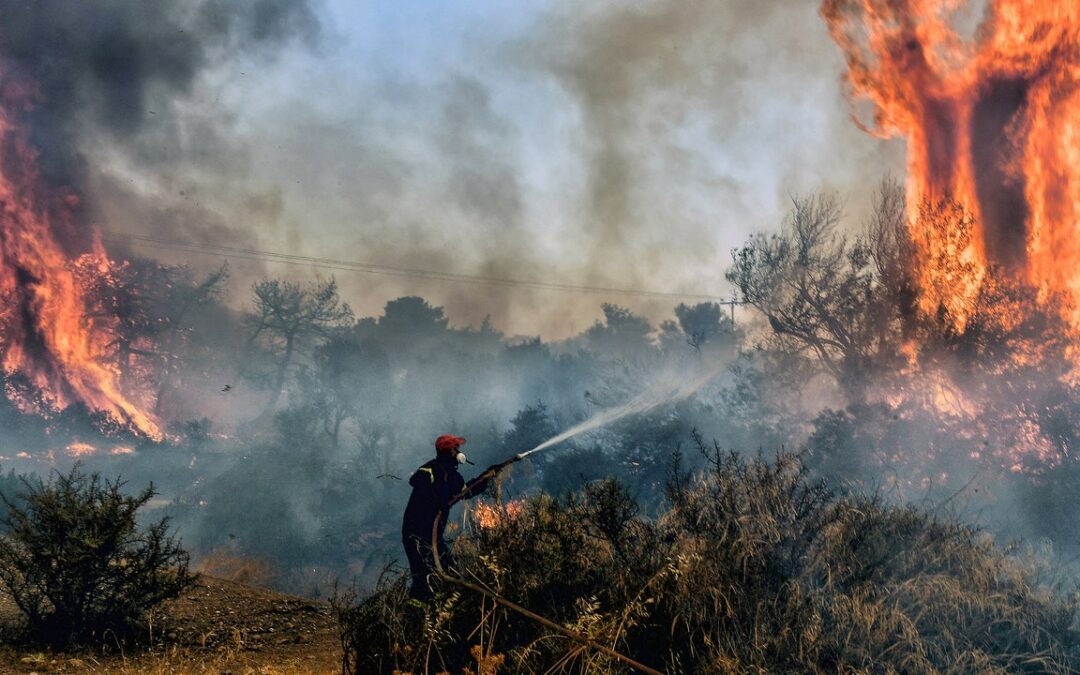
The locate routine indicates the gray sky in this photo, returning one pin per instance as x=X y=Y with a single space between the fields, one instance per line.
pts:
x=622 y=144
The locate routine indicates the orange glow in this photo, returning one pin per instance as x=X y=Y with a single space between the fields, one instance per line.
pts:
x=488 y=516
x=47 y=333
x=991 y=117
x=78 y=449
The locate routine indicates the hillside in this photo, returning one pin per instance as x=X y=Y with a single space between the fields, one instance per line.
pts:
x=218 y=627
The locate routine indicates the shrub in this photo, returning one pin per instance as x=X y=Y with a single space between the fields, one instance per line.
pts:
x=751 y=568
x=76 y=563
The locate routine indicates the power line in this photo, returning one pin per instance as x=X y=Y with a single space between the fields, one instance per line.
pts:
x=238 y=253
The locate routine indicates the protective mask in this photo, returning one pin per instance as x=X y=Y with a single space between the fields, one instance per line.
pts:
x=462 y=459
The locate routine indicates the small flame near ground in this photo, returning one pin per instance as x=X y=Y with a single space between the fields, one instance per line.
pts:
x=490 y=515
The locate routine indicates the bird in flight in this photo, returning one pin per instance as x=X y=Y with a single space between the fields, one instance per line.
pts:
x=227 y=388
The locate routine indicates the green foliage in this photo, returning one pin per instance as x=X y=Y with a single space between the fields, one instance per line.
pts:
x=76 y=563
x=752 y=568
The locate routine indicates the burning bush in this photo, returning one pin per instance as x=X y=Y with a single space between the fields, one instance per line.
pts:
x=76 y=563
x=751 y=568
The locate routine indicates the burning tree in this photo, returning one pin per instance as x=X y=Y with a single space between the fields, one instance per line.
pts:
x=990 y=122
x=926 y=384
x=151 y=305
x=48 y=333
x=957 y=309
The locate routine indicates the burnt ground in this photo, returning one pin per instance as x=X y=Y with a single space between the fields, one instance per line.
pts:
x=217 y=627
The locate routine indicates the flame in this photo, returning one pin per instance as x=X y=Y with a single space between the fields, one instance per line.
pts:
x=488 y=516
x=47 y=333
x=992 y=123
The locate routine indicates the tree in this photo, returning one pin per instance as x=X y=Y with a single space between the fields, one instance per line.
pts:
x=347 y=377
x=186 y=294
x=699 y=323
x=147 y=307
x=77 y=565
x=288 y=315
x=531 y=426
x=843 y=301
x=622 y=334
x=704 y=323
x=410 y=322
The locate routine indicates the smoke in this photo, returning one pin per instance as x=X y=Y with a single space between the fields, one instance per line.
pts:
x=113 y=67
x=700 y=119
x=121 y=83
x=603 y=145
x=627 y=67
x=599 y=145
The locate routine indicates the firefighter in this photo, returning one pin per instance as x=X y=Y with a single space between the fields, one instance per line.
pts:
x=435 y=486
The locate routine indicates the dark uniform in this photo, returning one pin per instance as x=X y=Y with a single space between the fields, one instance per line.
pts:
x=434 y=485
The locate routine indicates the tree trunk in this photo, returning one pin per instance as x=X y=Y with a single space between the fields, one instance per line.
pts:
x=279 y=377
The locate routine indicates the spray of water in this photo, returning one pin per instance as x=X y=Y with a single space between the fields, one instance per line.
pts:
x=657 y=395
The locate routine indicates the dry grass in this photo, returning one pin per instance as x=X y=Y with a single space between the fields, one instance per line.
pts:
x=175 y=660
x=750 y=569
x=226 y=563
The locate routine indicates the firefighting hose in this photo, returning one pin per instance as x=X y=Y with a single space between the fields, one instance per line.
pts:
x=488 y=474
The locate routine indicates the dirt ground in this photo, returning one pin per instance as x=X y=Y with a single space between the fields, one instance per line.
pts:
x=218 y=627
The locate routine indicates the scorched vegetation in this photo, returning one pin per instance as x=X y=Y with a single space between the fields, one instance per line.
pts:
x=749 y=567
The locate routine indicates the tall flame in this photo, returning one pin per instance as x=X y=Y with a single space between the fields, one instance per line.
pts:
x=991 y=120
x=47 y=333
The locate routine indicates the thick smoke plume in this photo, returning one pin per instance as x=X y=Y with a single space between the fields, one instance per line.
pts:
x=112 y=66
x=68 y=72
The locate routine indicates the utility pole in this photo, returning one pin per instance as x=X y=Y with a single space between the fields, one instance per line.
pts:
x=731 y=304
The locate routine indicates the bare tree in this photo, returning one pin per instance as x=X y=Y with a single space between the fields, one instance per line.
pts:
x=287 y=316
x=838 y=299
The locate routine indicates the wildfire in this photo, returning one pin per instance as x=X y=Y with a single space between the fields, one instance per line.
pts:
x=488 y=516
x=992 y=121
x=47 y=333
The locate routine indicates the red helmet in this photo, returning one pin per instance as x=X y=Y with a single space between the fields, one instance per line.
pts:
x=448 y=444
